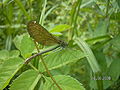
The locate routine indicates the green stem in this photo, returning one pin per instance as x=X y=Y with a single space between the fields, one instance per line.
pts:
x=108 y=2
x=49 y=73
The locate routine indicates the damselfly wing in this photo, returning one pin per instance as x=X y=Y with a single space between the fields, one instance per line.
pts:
x=42 y=36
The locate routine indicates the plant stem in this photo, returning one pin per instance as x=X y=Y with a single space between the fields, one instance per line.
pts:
x=49 y=73
x=107 y=8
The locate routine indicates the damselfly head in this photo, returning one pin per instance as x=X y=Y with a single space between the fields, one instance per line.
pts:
x=63 y=44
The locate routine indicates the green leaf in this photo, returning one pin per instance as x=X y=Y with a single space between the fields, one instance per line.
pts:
x=4 y=54
x=17 y=40
x=98 y=39
x=89 y=55
x=116 y=44
x=101 y=60
x=87 y=4
x=60 y=28
x=57 y=33
x=14 y=53
x=101 y=28
x=27 y=81
x=25 y=44
x=118 y=2
x=8 y=70
x=114 y=69
x=61 y=58
x=65 y=82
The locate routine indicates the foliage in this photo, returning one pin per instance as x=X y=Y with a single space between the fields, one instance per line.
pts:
x=91 y=61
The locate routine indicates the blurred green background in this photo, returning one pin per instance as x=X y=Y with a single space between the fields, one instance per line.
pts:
x=97 y=22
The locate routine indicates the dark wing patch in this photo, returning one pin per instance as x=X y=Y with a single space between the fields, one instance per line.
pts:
x=40 y=34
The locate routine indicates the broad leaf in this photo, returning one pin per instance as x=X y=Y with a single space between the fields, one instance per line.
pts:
x=25 y=44
x=115 y=66
x=89 y=55
x=14 y=53
x=116 y=44
x=101 y=28
x=60 y=58
x=27 y=81
x=60 y=28
x=8 y=70
x=65 y=82
x=4 y=54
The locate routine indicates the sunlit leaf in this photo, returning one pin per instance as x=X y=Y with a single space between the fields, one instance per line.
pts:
x=8 y=70
x=25 y=44
x=65 y=82
x=27 y=81
x=4 y=54
x=60 y=28
x=61 y=58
